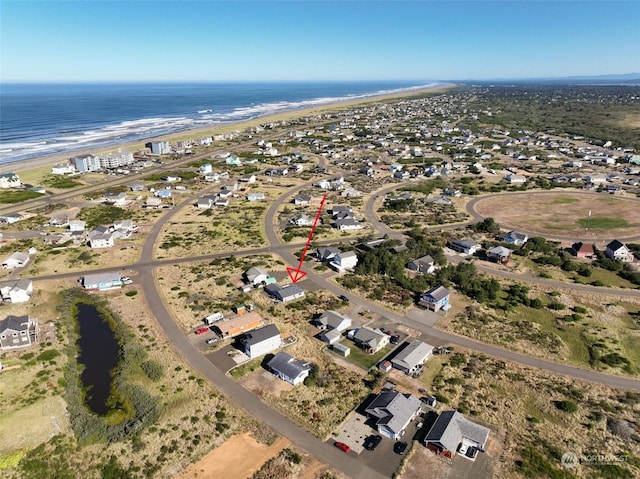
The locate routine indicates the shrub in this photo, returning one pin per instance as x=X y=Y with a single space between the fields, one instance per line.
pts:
x=131 y=293
x=566 y=405
x=153 y=370
x=48 y=355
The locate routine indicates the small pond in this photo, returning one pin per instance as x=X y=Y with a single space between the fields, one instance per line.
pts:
x=99 y=355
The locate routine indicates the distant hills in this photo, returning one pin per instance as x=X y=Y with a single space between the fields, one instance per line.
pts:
x=615 y=78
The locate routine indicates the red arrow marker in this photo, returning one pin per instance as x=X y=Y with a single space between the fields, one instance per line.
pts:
x=296 y=274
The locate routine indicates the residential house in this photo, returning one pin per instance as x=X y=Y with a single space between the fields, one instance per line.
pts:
x=392 y=412
x=347 y=224
x=18 y=332
x=162 y=193
x=370 y=340
x=289 y=369
x=515 y=238
x=205 y=202
x=115 y=198
x=582 y=250
x=205 y=169
x=77 y=225
x=101 y=281
x=284 y=293
x=330 y=336
x=302 y=200
x=301 y=220
x=254 y=196
x=221 y=202
x=436 y=299
x=63 y=169
x=596 y=179
x=499 y=254
x=451 y=429
x=261 y=341
x=16 y=291
x=16 y=260
x=618 y=251
x=425 y=264
x=332 y=320
x=412 y=357
x=465 y=246
x=344 y=261
x=101 y=240
x=248 y=179
x=326 y=253
x=516 y=179
x=10 y=180
x=240 y=324
x=351 y=192
x=255 y=276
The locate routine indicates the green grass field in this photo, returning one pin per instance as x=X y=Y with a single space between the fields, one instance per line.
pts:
x=564 y=200
x=603 y=223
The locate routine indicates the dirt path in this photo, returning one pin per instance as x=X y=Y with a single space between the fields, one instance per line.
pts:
x=238 y=457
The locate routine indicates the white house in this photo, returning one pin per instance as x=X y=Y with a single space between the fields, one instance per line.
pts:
x=393 y=411
x=255 y=275
x=63 y=169
x=101 y=240
x=261 y=341
x=101 y=281
x=301 y=220
x=618 y=251
x=412 y=357
x=16 y=291
x=10 y=180
x=288 y=368
x=425 y=264
x=16 y=260
x=516 y=179
x=344 y=261
x=465 y=246
x=333 y=320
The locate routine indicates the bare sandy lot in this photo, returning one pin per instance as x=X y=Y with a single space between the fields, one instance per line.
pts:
x=558 y=213
x=238 y=457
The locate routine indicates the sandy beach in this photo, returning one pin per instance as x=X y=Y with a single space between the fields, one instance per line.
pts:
x=217 y=129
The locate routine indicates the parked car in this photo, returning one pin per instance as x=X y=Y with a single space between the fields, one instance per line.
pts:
x=462 y=449
x=395 y=339
x=211 y=340
x=400 y=447
x=202 y=330
x=342 y=297
x=372 y=442
x=342 y=446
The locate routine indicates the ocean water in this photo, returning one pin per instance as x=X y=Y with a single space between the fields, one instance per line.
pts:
x=43 y=119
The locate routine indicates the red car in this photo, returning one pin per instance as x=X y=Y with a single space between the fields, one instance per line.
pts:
x=342 y=446
x=202 y=330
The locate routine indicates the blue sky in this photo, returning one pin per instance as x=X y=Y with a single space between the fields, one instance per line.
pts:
x=307 y=40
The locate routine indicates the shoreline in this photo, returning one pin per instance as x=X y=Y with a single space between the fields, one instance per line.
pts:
x=31 y=163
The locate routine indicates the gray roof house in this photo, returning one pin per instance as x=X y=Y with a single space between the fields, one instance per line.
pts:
x=255 y=275
x=465 y=246
x=17 y=332
x=288 y=368
x=331 y=336
x=499 y=254
x=370 y=340
x=261 y=341
x=393 y=411
x=101 y=281
x=333 y=320
x=451 y=429
x=424 y=264
x=284 y=293
x=435 y=299
x=326 y=253
x=16 y=291
x=412 y=357
x=16 y=260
